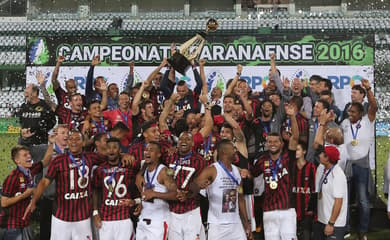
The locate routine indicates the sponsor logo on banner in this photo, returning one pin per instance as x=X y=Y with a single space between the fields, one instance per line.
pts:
x=216 y=79
x=38 y=52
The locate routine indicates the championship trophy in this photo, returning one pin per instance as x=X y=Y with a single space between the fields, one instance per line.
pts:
x=190 y=50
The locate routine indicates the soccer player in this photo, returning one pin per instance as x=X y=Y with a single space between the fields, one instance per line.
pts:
x=279 y=214
x=95 y=123
x=185 y=212
x=303 y=188
x=72 y=173
x=158 y=187
x=112 y=180
x=224 y=188
x=17 y=189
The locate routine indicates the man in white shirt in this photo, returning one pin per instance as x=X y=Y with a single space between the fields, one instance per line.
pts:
x=332 y=188
x=359 y=133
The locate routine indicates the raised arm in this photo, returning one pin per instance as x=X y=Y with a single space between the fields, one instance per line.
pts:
x=137 y=98
x=130 y=78
x=323 y=120
x=209 y=123
x=372 y=107
x=205 y=89
x=54 y=76
x=103 y=89
x=294 y=129
x=49 y=151
x=153 y=74
x=238 y=135
x=198 y=80
x=229 y=90
x=89 y=81
x=46 y=96
x=165 y=112
x=168 y=83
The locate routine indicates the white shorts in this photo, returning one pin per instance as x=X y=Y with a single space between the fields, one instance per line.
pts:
x=117 y=230
x=232 y=231
x=156 y=230
x=186 y=226
x=250 y=211
x=280 y=224
x=63 y=230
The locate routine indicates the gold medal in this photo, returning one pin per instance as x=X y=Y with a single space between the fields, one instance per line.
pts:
x=83 y=181
x=145 y=95
x=240 y=190
x=354 y=142
x=273 y=185
x=110 y=188
x=208 y=157
x=170 y=172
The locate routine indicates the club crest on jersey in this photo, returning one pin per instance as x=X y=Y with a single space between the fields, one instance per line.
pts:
x=266 y=164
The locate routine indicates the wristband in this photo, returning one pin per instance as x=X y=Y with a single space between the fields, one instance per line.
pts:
x=238 y=74
x=95 y=213
x=368 y=89
x=330 y=223
x=137 y=201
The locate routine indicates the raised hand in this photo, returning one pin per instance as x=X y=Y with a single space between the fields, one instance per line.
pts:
x=95 y=60
x=60 y=59
x=40 y=77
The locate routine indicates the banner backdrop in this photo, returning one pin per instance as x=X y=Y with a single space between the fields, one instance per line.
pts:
x=342 y=77
x=348 y=58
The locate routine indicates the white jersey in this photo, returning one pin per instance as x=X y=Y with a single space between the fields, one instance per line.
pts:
x=334 y=186
x=158 y=209
x=223 y=197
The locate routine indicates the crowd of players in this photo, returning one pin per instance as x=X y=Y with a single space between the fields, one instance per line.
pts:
x=162 y=161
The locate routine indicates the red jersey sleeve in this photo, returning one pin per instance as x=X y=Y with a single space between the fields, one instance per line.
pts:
x=9 y=185
x=52 y=169
x=198 y=140
x=257 y=168
x=97 y=176
x=36 y=168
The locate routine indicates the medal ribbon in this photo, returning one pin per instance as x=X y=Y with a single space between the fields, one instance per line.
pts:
x=207 y=147
x=57 y=149
x=71 y=157
x=27 y=174
x=275 y=168
x=324 y=177
x=113 y=174
x=150 y=181
x=230 y=174
x=186 y=157
x=125 y=117
x=354 y=134
x=100 y=126
x=266 y=127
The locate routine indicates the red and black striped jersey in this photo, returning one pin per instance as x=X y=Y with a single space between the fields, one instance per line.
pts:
x=14 y=185
x=303 y=189
x=137 y=150
x=207 y=147
x=96 y=127
x=279 y=198
x=73 y=120
x=63 y=98
x=185 y=168
x=114 y=182
x=303 y=126
x=115 y=116
x=73 y=188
